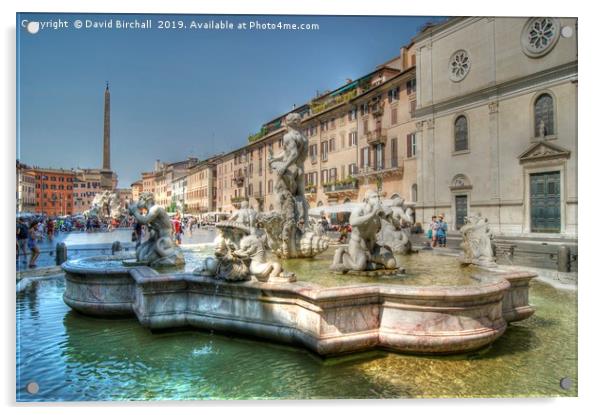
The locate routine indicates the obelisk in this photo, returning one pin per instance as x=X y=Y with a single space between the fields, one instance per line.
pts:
x=106 y=182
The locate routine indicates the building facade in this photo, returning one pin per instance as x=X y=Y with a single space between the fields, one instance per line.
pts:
x=86 y=184
x=497 y=123
x=200 y=193
x=136 y=188
x=26 y=189
x=54 y=191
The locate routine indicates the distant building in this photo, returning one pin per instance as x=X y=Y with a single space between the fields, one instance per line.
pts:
x=87 y=183
x=160 y=181
x=136 y=188
x=54 y=191
x=201 y=188
x=26 y=188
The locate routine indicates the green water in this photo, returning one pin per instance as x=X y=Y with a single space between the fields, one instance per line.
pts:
x=74 y=357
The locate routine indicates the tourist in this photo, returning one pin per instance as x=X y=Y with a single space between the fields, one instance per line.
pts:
x=442 y=232
x=22 y=236
x=432 y=231
x=191 y=224
x=177 y=227
x=324 y=223
x=32 y=243
x=40 y=230
x=50 y=229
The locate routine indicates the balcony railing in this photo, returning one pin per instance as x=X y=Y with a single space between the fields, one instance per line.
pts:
x=377 y=136
x=237 y=199
x=341 y=187
x=382 y=170
x=239 y=177
x=258 y=195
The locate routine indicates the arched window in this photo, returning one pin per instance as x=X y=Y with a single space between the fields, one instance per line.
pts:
x=414 y=192
x=461 y=134
x=544 y=116
x=270 y=186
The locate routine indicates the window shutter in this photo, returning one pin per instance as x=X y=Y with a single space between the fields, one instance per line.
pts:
x=350 y=142
x=362 y=158
x=409 y=145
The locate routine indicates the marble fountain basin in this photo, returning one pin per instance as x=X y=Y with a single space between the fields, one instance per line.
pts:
x=327 y=320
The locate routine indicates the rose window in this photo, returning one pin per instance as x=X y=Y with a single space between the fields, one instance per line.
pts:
x=540 y=35
x=459 y=65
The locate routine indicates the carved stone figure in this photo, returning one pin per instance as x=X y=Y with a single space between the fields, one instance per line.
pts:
x=541 y=128
x=158 y=249
x=253 y=249
x=245 y=215
x=476 y=243
x=395 y=228
x=364 y=253
x=288 y=228
x=224 y=265
x=241 y=252
x=105 y=205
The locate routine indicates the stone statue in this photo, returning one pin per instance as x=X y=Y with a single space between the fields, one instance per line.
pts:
x=395 y=229
x=114 y=206
x=288 y=230
x=541 y=128
x=245 y=215
x=105 y=205
x=224 y=265
x=241 y=252
x=253 y=249
x=364 y=253
x=158 y=249
x=476 y=242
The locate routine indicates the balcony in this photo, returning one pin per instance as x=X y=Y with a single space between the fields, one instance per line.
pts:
x=348 y=187
x=377 y=136
x=238 y=178
x=380 y=172
x=258 y=195
x=235 y=200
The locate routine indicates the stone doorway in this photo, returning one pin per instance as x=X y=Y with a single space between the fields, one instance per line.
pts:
x=545 y=202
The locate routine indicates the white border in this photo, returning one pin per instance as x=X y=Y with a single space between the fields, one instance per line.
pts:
x=588 y=207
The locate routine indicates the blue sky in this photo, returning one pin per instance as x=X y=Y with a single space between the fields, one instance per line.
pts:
x=176 y=93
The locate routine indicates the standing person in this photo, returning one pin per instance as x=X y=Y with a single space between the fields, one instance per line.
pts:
x=177 y=227
x=22 y=237
x=324 y=223
x=40 y=230
x=442 y=232
x=50 y=229
x=434 y=230
x=191 y=224
x=32 y=243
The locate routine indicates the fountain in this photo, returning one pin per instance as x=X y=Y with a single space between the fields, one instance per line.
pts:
x=241 y=288
x=105 y=205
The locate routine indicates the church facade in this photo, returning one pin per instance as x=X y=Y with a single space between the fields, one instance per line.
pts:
x=496 y=124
